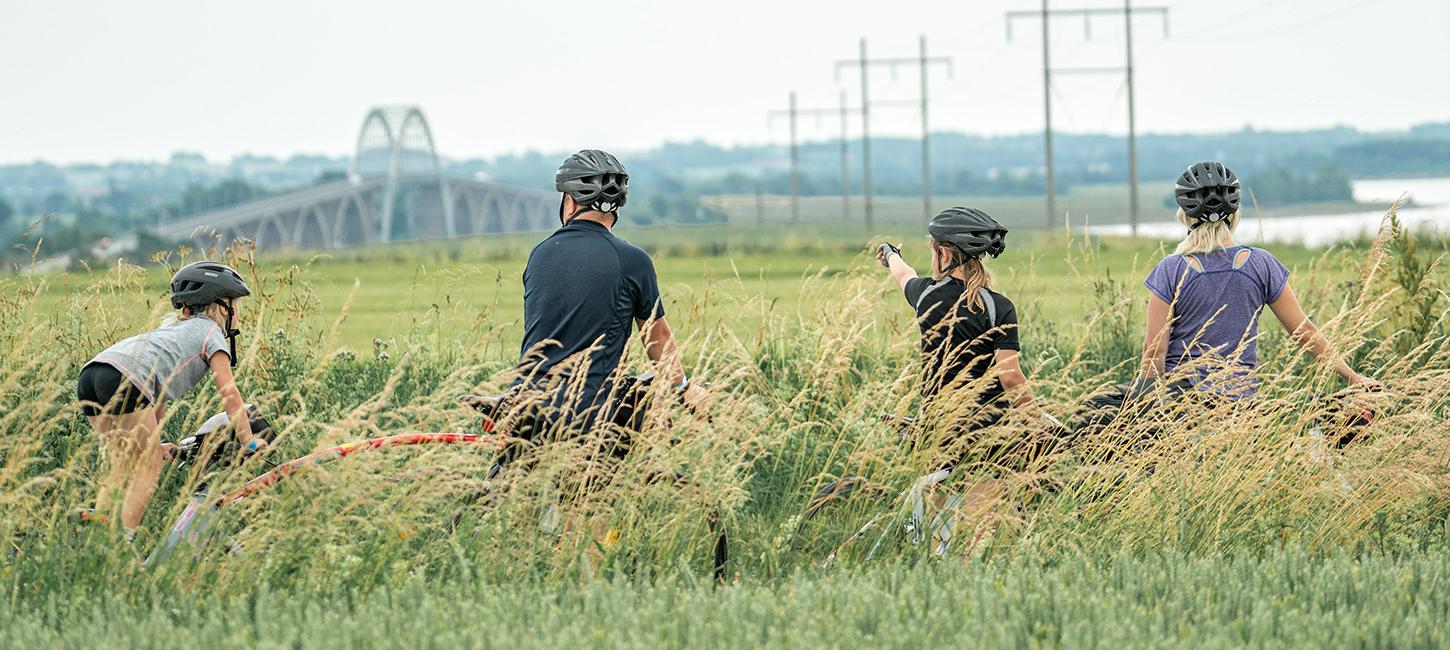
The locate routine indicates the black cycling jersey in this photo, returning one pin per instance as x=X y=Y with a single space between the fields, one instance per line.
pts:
x=957 y=340
x=583 y=290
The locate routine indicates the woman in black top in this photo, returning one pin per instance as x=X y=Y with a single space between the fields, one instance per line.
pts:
x=968 y=331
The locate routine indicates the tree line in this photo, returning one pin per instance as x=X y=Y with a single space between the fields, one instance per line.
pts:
x=1280 y=167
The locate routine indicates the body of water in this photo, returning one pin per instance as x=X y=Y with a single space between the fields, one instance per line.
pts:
x=1431 y=197
x=1422 y=191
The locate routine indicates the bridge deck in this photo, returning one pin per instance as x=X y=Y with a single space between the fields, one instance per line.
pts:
x=251 y=211
x=513 y=208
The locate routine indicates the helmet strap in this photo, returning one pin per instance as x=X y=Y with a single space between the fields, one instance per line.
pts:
x=958 y=254
x=231 y=331
x=1199 y=222
x=564 y=221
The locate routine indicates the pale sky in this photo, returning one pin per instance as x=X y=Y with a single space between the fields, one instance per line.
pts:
x=105 y=80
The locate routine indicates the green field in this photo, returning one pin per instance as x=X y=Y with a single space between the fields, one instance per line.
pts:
x=1156 y=600
x=457 y=293
x=1220 y=529
x=450 y=291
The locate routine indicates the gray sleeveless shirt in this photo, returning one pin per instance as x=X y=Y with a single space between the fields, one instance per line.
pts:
x=170 y=360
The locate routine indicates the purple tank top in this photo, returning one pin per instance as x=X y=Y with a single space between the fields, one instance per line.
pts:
x=1217 y=298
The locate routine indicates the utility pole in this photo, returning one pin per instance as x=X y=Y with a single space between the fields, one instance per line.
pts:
x=795 y=167
x=845 y=162
x=759 y=203
x=923 y=62
x=1046 y=15
x=1047 y=113
x=865 y=140
x=795 y=193
x=1132 y=119
x=925 y=134
x=795 y=113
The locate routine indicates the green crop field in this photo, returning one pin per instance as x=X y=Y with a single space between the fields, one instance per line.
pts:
x=449 y=293
x=1178 y=527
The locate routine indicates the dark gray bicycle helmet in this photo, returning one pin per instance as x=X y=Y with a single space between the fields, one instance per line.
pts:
x=1208 y=192
x=202 y=283
x=596 y=180
x=970 y=230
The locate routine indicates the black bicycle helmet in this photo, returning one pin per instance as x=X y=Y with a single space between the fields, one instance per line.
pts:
x=596 y=180
x=970 y=230
x=202 y=283
x=1208 y=192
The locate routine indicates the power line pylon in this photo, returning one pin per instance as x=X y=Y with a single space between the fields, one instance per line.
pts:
x=864 y=63
x=1045 y=15
x=792 y=113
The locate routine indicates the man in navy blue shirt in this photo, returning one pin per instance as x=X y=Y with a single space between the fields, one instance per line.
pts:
x=585 y=290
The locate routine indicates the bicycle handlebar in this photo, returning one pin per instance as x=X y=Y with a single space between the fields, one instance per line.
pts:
x=190 y=448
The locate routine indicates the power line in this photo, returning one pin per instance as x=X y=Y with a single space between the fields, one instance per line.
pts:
x=1217 y=28
x=792 y=113
x=1045 y=15
x=923 y=62
x=1303 y=23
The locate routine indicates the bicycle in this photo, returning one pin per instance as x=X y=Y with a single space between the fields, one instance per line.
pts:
x=194 y=523
x=911 y=510
x=1339 y=421
x=521 y=412
x=200 y=448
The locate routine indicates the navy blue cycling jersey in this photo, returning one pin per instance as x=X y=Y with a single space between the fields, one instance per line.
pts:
x=583 y=290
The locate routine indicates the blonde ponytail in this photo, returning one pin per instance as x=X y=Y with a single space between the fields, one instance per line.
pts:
x=973 y=273
x=1207 y=237
x=213 y=311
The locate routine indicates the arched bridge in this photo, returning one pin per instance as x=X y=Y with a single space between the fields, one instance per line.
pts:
x=396 y=191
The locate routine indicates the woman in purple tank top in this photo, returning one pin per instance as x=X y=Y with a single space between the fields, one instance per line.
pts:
x=1204 y=300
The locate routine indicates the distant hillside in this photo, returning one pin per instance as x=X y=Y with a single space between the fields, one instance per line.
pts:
x=1011 y=165
x=1284 y=167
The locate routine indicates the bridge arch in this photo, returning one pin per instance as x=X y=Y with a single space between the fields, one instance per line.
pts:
x=520 y=215
x=546 y=216
x=465 y=214
x=395 y=172
x=312 y=229
x=493 y=214
x=395 y=142
x=270 y=233
x=353 y=223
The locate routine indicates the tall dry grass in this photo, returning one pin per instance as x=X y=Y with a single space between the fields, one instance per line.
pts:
x=798 y=406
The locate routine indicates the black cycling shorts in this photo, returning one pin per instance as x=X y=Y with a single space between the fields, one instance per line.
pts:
x=102 y=388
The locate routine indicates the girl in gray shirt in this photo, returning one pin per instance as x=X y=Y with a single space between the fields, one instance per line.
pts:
x=123 y=390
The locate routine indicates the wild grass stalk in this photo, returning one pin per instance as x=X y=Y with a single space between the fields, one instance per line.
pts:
x=800 y=397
